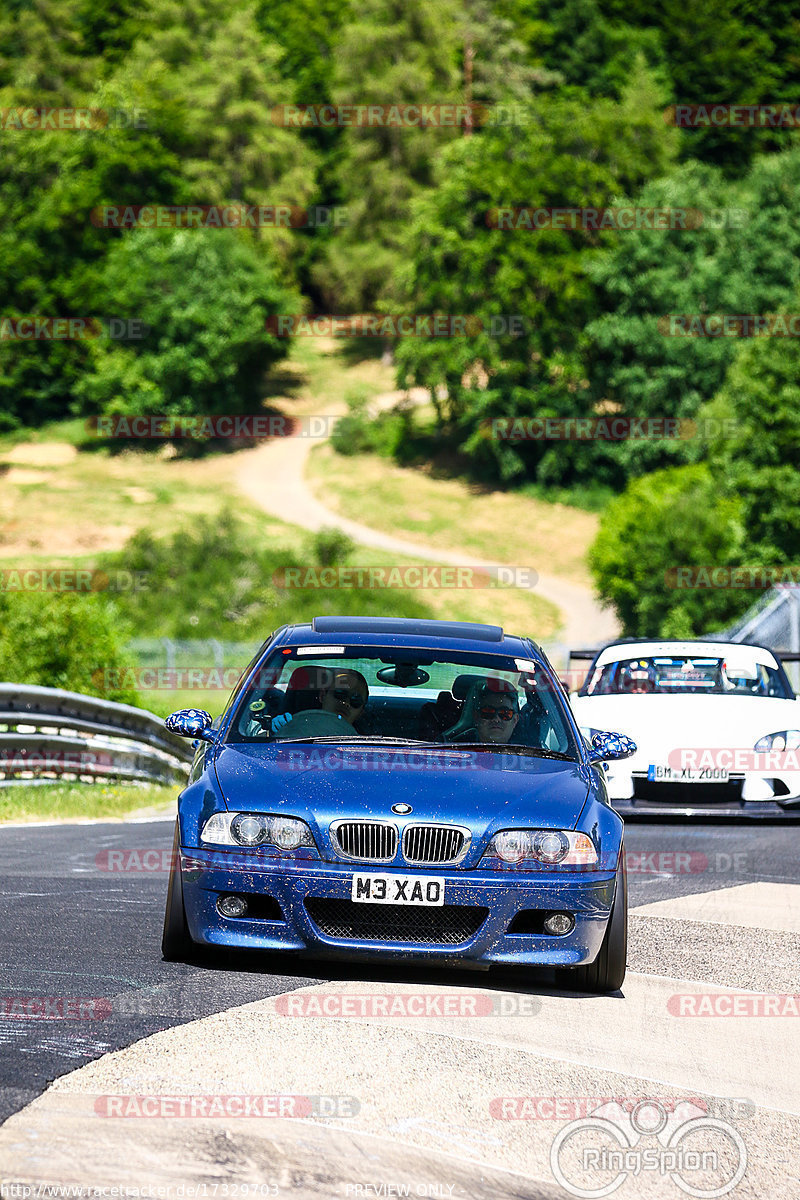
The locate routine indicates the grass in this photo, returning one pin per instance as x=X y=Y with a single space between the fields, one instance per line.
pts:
x=68 y=801
x=498 y=526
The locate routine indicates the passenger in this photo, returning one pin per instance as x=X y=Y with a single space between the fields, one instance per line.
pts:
x=491 y=713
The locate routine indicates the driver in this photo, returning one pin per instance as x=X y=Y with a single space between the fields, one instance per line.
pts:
x=344 y=695
x=638 y=679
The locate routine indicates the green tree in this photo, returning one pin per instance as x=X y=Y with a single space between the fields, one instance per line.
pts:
x=674 y=518
x=394 y=52
x=466 y=257
x=204 y=297
x=756 y=450
x=744 y=257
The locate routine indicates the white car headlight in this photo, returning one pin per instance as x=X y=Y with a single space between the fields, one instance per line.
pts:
x=256 y=829
x=787 y=739
x=562 y=847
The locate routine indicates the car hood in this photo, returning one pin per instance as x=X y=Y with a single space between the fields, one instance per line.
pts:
x=664 y=723
x=485 y=791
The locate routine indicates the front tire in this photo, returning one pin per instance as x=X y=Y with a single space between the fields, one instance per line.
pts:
x=607 y=972
x=176 y=943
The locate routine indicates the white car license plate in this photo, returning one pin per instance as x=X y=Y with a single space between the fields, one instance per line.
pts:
x=426 y=890
x=687 y=774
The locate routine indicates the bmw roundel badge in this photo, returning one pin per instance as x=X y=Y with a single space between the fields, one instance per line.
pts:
x=401 y=809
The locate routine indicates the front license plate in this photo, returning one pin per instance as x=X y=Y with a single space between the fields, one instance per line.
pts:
x=398 y=889
x=687 y=774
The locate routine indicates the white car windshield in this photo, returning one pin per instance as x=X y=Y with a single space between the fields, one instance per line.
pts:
x=684 y=674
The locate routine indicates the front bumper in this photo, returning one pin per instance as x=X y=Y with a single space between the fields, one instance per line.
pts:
x=588 y=896
x=747 y=794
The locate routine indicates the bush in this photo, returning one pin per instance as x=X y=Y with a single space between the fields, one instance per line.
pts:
x=672 y=518
x=387 y=433
x=332 y=546
x=65 y=640
x=205 y=296
x=220 y=578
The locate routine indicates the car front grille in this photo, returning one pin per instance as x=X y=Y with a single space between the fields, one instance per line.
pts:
x=371 y=841
x=444 y=925
x=432 y=843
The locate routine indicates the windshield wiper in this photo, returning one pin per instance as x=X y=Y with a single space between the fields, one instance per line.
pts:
x=515 y=748
x=362 y=740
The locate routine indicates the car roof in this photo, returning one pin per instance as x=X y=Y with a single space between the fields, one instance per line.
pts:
x=405 y=633
x=693 y=648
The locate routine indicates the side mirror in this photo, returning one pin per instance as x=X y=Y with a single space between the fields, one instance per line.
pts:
x=191 y=723
x=605 y=747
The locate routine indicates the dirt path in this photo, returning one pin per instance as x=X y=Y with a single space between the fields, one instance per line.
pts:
x=273 y=476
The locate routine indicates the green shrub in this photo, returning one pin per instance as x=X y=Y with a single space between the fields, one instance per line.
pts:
x=219 y=578
x=65 y=640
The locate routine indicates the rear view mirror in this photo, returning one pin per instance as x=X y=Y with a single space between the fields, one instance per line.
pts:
x=191 y=723
x=606 y=747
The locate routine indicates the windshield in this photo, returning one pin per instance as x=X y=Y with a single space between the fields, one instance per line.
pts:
x=682 y=674
x=344 y=692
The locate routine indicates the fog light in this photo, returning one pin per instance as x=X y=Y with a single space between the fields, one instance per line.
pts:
x=559 y=923
x=232 y=906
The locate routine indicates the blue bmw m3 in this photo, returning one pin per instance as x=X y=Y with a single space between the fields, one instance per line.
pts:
x=400 y=789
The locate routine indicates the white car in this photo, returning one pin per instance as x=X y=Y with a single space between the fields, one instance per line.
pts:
x=716 y=725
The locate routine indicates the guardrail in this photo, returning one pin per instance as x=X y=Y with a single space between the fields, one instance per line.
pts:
x=50 y=734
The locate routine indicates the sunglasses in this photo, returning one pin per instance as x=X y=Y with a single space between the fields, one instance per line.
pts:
x=354 y=699
x=503 y=714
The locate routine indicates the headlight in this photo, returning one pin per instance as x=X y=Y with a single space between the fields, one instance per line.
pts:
x=256 y=829
x=788 y=739
x=551 y=846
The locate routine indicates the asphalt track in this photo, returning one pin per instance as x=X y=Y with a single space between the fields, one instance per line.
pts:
x=716 y=912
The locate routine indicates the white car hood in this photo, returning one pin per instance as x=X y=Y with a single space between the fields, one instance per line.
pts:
x=659 y=724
